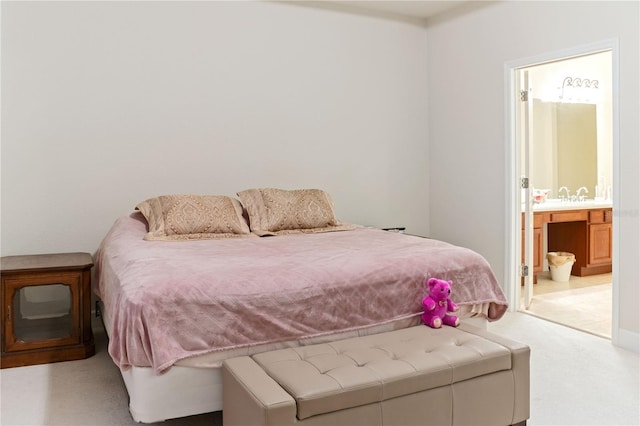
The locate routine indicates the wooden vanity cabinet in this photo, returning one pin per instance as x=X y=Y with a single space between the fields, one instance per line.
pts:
x=538 y=245
x=600 y=239
x=587 y=233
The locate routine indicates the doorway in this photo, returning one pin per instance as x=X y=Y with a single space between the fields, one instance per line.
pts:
x=564 y=146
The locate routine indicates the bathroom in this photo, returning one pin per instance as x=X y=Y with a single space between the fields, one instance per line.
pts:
x=571 y=181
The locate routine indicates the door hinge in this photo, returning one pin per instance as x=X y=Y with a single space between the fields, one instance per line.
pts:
x=524 y=270
x=524 y=182
x=524 y=95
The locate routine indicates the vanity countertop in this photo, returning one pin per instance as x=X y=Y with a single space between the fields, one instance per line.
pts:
x=568 y=205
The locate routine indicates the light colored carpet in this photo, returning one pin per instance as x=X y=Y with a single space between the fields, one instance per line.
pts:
x=587 y=308
x=88 y=392
x=576 y=379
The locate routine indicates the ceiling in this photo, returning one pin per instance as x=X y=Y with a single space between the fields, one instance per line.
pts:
x=416 y=9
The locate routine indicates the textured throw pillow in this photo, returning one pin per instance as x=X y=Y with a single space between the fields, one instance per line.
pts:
x=278 y=211
x=193 y=217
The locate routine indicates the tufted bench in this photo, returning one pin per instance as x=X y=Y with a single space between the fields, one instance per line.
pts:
x=416 y=375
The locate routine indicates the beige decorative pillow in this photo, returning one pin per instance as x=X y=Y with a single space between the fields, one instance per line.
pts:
x=279 y=211
x=193 y=217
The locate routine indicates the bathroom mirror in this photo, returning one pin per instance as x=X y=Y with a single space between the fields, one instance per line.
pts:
x=565 y=147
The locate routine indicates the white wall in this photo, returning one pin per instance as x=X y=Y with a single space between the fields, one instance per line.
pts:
x=467 y=142
x=105 y=104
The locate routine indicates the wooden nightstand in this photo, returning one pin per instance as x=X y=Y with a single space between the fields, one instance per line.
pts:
x=46 y=308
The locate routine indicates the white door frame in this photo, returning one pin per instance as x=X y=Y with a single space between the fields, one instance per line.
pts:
x=512 y=168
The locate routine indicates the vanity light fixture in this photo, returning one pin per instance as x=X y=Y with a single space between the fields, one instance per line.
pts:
x=577 y=85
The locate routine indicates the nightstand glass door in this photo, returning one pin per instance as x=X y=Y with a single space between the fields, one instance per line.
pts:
x=41 y=313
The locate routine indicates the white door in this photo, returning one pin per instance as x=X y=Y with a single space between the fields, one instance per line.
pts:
x=526 y=200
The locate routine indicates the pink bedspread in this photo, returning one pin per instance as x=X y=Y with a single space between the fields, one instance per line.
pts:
x=172 y=300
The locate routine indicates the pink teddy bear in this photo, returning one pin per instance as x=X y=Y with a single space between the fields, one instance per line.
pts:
x=437 y=304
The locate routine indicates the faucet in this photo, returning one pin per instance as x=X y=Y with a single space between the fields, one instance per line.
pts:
x=566 y=191
x=581 y=197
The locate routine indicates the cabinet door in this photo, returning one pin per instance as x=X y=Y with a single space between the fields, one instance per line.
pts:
x=41 y=311
x=600 y=239
x=538 y=254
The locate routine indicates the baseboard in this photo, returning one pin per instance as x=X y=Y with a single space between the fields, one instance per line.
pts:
x=628 y=340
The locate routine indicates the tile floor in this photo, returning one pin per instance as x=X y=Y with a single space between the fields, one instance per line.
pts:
x=571 y=303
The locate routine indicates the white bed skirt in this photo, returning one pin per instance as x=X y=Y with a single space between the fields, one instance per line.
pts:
x=187 y=390
x=181 y=392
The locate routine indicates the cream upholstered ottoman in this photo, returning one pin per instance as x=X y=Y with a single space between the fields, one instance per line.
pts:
x=417 y=375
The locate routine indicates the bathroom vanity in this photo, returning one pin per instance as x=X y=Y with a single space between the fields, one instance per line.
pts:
x=584 y=229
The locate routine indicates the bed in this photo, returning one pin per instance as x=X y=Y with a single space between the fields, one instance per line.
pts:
x=177 y=301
